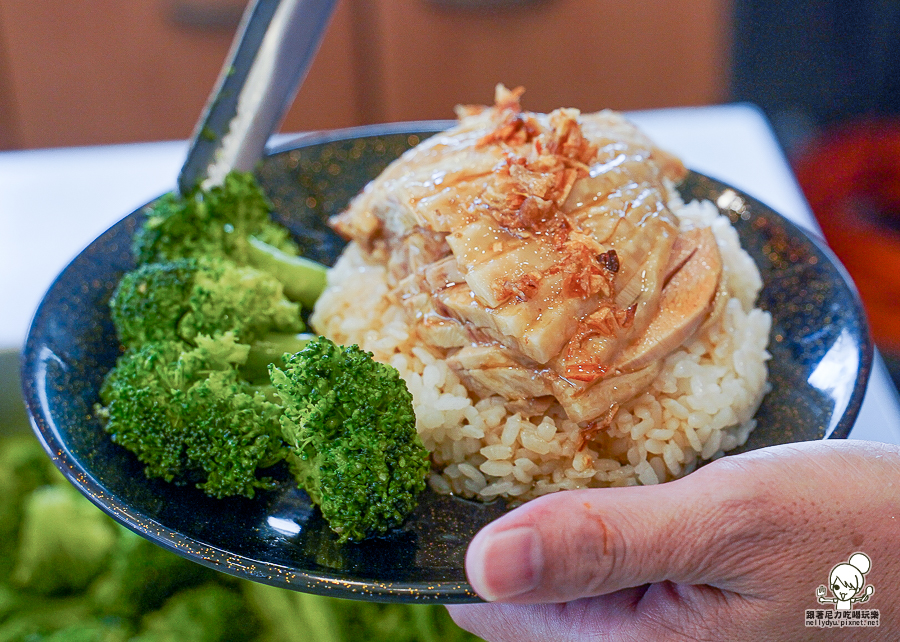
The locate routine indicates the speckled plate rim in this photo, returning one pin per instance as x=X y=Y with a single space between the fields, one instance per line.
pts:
x=447 y=592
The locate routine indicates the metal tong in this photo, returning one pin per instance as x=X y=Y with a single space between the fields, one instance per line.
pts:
x=271 y=54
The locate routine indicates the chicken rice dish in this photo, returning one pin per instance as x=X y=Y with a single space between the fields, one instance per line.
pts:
x=562 y=319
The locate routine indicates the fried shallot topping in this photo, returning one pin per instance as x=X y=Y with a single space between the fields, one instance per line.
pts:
x=523 y=288
x=607 y=321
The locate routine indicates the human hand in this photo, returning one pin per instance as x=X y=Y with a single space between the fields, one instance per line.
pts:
x=734 y=551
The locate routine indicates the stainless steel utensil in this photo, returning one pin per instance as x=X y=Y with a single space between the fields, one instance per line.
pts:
x=273 y=49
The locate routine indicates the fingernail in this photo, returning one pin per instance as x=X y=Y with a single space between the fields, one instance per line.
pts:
x=505 y=564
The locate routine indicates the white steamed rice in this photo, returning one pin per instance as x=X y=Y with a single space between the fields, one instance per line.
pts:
x=700 y=405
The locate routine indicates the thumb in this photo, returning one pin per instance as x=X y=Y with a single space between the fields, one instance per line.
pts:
x=577 y=544
x=698 y=530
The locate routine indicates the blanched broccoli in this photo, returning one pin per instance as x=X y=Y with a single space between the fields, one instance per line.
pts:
x=229 y=221
x=349 y=423
x=184 y=298
x=400 y=623
x=203 y=319
x=200 y=327
x=69 y=619
x=303 y=279
x=207 y=613
x=297 y=617
x=290 y=616
x=141 y=576
x=270 y=349
x=145 y=593
x=189 y=416
x=64 y=542
x=207 y=223
x=24 y=466
x=87 y=630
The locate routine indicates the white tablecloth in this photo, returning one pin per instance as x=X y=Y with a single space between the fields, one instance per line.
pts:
x=54 y=202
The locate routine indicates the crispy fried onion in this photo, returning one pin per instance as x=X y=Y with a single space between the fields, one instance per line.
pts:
x=606 y=321
x=539 y=183
x=567 y=140
x=508 y=99
x=586 y=274
x=523 y=287
x=586 y=270
x=542 y=163
x=591 y=430
x=515 y=128
x=536 y=188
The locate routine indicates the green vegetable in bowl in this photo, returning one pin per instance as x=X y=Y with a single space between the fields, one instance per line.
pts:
x=141 y=576
x=184 y=298
x=188 y=415
x=198 y=396
x=295 y=617
x=302 y=278
x=207 y=223
x=230 y=221
x=349 y=423
x=289 y=616
x=23 y=467
x=67 y=619
x=207 y=613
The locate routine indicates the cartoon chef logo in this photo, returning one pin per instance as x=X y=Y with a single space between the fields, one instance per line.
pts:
x=846 y=582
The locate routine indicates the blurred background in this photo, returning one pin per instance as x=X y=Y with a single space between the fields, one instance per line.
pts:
x=109 y=71
x=106 y=71
x=826 y=73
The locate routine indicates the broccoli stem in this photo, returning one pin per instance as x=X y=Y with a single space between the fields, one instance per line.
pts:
x=270 y=349
x=302 y=278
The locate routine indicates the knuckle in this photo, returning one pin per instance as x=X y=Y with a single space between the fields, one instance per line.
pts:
x=584 y=548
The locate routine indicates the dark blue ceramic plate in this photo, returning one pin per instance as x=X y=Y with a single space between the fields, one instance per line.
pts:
x=821 y=351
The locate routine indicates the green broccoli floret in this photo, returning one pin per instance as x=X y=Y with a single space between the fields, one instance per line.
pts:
x=207 y=613
x=148 y=594
x=297 y=617
x=400 y=622
x=34 y=617
x=43 y=619
x=184 y=298
x=303 y=279
x=64 y=541
x=190 y=417
x=268 y=350
x=24 y=466
x=349 y=423
x=231 y=221
x=141 y=576
x=214 y=222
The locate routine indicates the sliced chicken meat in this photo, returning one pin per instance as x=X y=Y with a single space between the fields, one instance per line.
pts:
x=487 y=367
x=537 y=254
x=692 y=279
